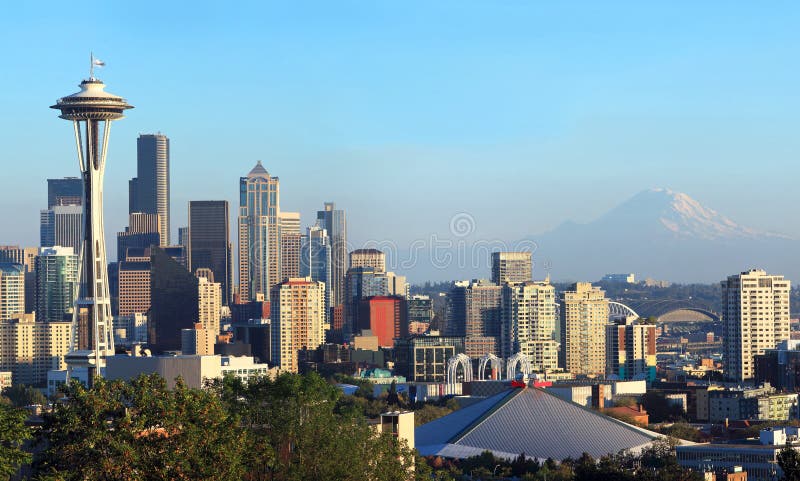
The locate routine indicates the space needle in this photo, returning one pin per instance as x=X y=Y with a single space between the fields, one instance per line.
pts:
x=91 y=112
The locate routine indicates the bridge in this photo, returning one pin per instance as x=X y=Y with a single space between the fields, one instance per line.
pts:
x=674 y=310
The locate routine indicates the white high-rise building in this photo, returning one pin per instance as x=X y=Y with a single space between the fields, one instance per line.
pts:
x=61 y=225
x=529 y=323
x=755 y=317
x=12 y=289
x=259 y=233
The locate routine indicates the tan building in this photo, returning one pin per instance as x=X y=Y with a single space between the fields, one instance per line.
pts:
x=584 y=316
x=298 y=320
x=511 y=267
x=197 y=341
x=397 y=285
x=134 y=286
x=368 y=258
x=20 y=255
x=12 y=289
x=529 y=323
x=291 y=238
x=28 y=349
x=755 y=317
x=209 y=295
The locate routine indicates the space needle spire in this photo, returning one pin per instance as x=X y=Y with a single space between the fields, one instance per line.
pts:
x=91 y=112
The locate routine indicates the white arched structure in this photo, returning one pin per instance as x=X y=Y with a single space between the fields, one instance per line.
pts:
x=491 y=361
x=452 y=369
x=617 y=310
x=521 y=360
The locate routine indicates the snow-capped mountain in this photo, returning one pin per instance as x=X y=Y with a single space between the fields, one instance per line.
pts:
x=664 y=234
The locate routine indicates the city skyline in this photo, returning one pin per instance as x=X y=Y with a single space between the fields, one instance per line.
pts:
x=618 y=126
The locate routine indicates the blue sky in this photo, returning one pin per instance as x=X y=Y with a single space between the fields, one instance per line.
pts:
x=521 y=113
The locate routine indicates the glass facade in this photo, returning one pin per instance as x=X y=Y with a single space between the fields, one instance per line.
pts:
x=209 y=242
x=174 y=302
x=56 y=283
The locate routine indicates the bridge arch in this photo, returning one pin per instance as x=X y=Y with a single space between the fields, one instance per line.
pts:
x=521 y=360
x=618 y=310
x=452 y=369
x=491 y=361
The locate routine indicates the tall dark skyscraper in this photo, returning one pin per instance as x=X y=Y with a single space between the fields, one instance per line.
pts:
x=174 y=303
x=335 y=222
x=209 y=241
x=149 y=190
x=66 y=191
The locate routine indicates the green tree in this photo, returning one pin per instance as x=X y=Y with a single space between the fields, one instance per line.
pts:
x=298 y=430
x=118 y=431
x=392 y=398
x=789 y=461
x=13 y=434
x=659 y=408
x=683 y=430
x=22 y=395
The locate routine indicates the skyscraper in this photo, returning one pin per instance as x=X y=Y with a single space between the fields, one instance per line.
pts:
x=315 y=260
x=473 y=312
x=334 y=222
x=27 y=257
x=209 y=242
x=631 y=350
x=134 y=282
x=66 y=191
x=29 y=348
x=56 y=283
x=61 y=225
x=529 y=323
x=360 y=283
x=259 y=233
x=290 y=242
x=12 y=289
x=149 y=190
x=755 y=317
x=397 y=285
x=91 y=111
x=209 y=296
x=297 y=317
x=368 y=258
x=183 y=237
x=143 y=231
x=584 y=316
x=386 y=317
x=174 y=303
x=511 y=267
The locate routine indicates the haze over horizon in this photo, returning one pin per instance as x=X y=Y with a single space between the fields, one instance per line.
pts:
x=522 y=116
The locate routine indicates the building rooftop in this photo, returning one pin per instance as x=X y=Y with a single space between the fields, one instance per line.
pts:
x=258 y=171
x=529 y=421
x=11 y=268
